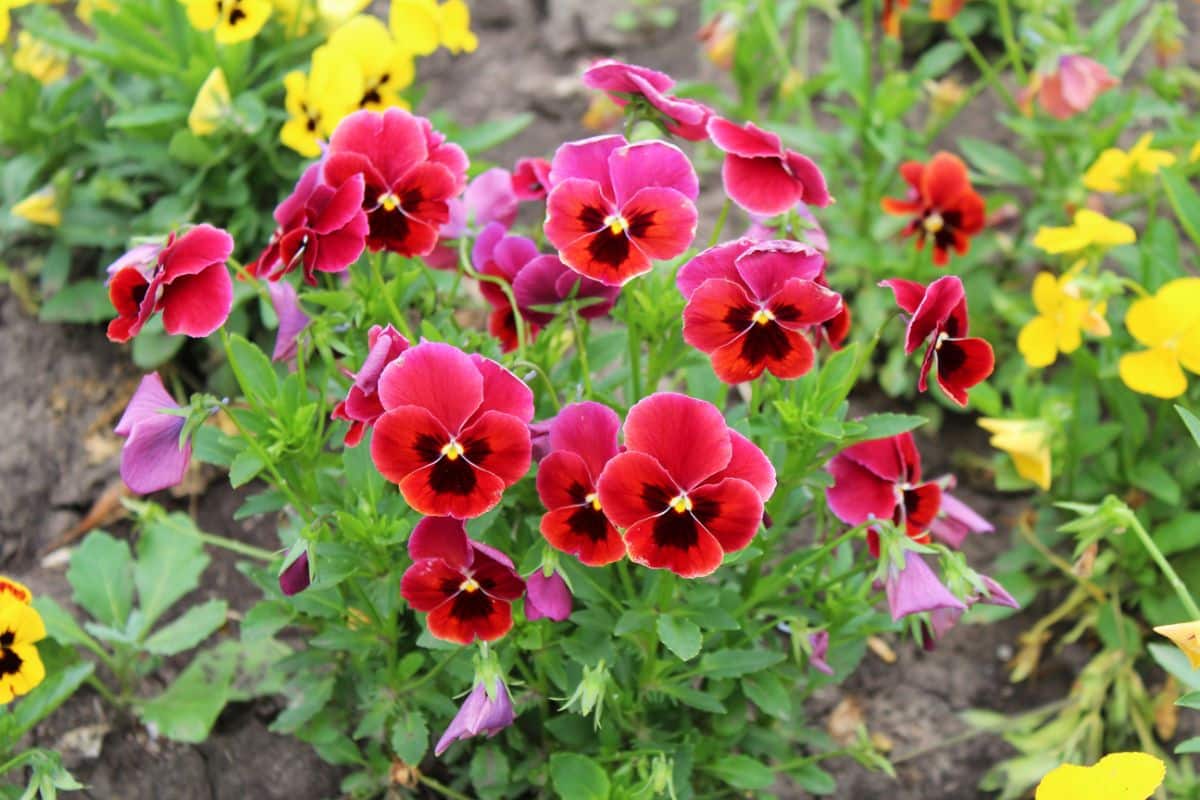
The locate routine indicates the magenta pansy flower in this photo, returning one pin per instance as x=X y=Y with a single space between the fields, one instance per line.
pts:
x=1073 y=88
x=152 y=457
x=362 y=405
x=501 y=255
x=480 y=713
x=915 y=588
x=819 y=642
x=296 y=576
x=624 y=82
x=941 y=620
x=531 y=178
x=489 y=199
x=546 y=281
x=955 y=520
x=760 y=175
x=292 y=319
x=547 y=597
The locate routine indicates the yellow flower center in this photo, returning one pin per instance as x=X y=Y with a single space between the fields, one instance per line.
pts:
x=934 y=223
x=469 y=586
x=389 y=201
x=594 y=499
x=681 y=504
x=616 y=224
x=763 y=316
x=452 y=450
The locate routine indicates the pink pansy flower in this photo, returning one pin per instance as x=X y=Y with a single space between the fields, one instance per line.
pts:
x=1073 y=88
x=489 y=199
x=362 y=405
x=409 y=172
x=624 y=82
x=480 y=713
x=152 y=457
x=321 y=228
x=292 y=319
x=186 y=280
x=941 y=620
x=819 y=642
x=547 y=597
x=939 y=320
x=751 y=304
x=614 y=207
x=501 y=255
x=296 y=577
x=760 y=175
x=531 y=179
x=915 y=588
x=546 y=281
x=955 y=520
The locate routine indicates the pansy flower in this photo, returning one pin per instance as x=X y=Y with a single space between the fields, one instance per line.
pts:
x=1089 y=230
x=362 y=405
x=152 y=457
x=760 y=175
x=1027 y=442
x=939 y=320
x=212 y=106
x=464 y=586
x=955 y=520
x=484 y=711
x=1118 y=171
x=749 y=306
x=1063 y=316
x=1072 y=88
x=43 y=207
x=625 y=82
x=318 y=100
x=21 y=628
x=186 y=280
x=1168 y=325
x=1185 y=636
x=881 y=479
x=385 y=68
x=296 y=576
x=942 y=204
x=321 y=228
x=546 y=282
x=547 y=596
x=614 y=206
x=989 y=593
x=234 y=20
x=687 y=490
x=489 y=198
x=292 y=319
x=583 y=438
x=1117 y=776
x=455 y=432
x=914 y=588
x=502 y=256
x=409 y=171
x=531 y=178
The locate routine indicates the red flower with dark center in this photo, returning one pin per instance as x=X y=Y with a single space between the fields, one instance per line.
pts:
x=834 y=330
x=531 y=178
x=186 y=280
x=455 y=432
x=750 y=304
x=623 y=82
x=881 y=479
x=942 y=204
x=464 y=586
x=614 y=206
x=760 y=175
x=685 y=493
x=320 y=227
x=409 y=173
x=939 y=317
x=583 y=437
x=362 y=406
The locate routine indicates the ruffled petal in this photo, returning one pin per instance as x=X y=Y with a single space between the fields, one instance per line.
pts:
x=688 y=437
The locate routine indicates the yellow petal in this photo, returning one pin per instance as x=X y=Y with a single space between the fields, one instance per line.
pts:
x=1186 y=636
x=415 y=26
x=1130 y=776
x=39 y=60
x=212 y=104
x=6 y=26
x=1070 y=320
x=1069 y=782
x=1193 y=156
x=1109 y=172
x=239 y=27
x=30 y=673
x=1155 y=372
x=1046 y=293
x=1060 y=240
x=40 y=208
x=1094 y=322
x=1179 y=303
x=334 y=13
x=1037 y=342
x=296 y=135
x=1103 y=231
x=203 y=14
x=10 y=589
x=1034 y=466
x=22 y=621
x=454 y=27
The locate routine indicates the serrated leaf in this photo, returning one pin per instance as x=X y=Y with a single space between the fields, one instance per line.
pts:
x=306 y=700
x=680 y=636
x=410 y=737
x=100 y=574
x=188 y=708
x=246 y=465
x=169 y=565
x=196 y=625
x=577 y=777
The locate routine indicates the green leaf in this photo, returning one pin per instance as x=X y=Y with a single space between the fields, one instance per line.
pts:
x=1188 y=746
x=996 y=162
x=1172 y=659
x=695 y=698
x=253 y=370
x=1191 y=421
x=306 y=700
x=491 y=133
x=937 y=60
x=169 y=564
x=188 y=708
x=1190 y=700
x=265 y=619
x=735 y=663
x=1154 y=479
x=100 y=574
x=769 y=694
x=881 y=426
x=490 y=773
x=813 y=779
x=82 y=301
x=153 y=346
x=846 y=50
x=49 y=695
x=141 y=116
x=1185 y=201
x=196 y=625
x=246 y=465
x=410 y=737
x=60 y=625
x=679 y=636
x=743 y=772
x=577 y=777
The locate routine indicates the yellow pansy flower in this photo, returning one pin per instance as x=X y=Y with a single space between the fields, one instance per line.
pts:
x=1169 y=325
x=454 y=27
x=1089 y=229
x=1063 y=316
x=38 y=59
x=318 y=101
x=40 y=208
x=1116 y=170
x=234 y=20
x=85 y=8
x=334 y=13
x=1186 y=636
x=385 y=68
x=212 y=105
x=296 y=16
x=21 y=627
x=416 y=25
x=1119 y=776
x=1027 y=442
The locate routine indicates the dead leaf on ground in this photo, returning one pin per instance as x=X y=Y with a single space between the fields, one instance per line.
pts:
x=100 y=447
x=1166 y=713
x=106 y=510
x=845 y=720
x=83 y=742
x=881 y=649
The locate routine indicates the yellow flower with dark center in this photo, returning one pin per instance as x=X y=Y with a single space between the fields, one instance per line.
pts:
x=212 y=105
x=1027 y=442
x=1168 y=324
x=40 y=208
x=1063 y=316
x=1185 y=636
x=234 y=20
x=21 y=628
x=1090 y=229
x=38 y=59
x=1119 y=776
x=385 y=68
x=318 y=101
x=1118 y=171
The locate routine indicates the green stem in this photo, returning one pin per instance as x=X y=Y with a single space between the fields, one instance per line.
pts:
x=579 y=331
x=237 y=547
x=442 y=788
x=503 y=286
x=393 y=309
x=551 y=391
x=867 y=206
x=720 y=226
x=1010 y=40
x=1168 y=572
x=635 y=354
x=102 y=690
x=985 y=69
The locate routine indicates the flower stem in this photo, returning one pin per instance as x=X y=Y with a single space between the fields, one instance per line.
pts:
x=981 y=64
x=720 y=226
x=441 y=788
x=1010 y=40
x=1168 y=572
x=580 y=331
x=393 y=309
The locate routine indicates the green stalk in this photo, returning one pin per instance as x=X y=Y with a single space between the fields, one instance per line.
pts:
x=985 y=69
x=1010 y=40
x=393 y=309
x=585 y=372
x=1168 y=572
x=720 y=226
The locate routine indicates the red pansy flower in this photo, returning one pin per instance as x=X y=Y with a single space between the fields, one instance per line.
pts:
x=834 y=330
x=615 y=206
x=939 y=317
x=687 y=490
x=583 y=437
x=186 y=280
x=942 y=204
x=465 y=586
x=531 y=178
x=409 y=171
x=455 y=432
x=881 y=479
x=623 y=82
x=362 y=405
x=503 y=256
x=749 y=305
x=760 y=175
x=321 y=227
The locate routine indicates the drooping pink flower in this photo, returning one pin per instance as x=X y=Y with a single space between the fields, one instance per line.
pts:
x=362 y=405
x=482 y=712
x=296 y=576
x=489 y=200
x=625 y=82
x=614 y=207
x=941 y=620
x=939 y=320
x=321 y=228
x=547 y=597
x=1073 y=87
x=152 y=457
x=819 y=642
x=760 y=175
x=915 y=588
x=955 y=520
x=546 y=281
x=531 y=179
x=292 y=319
x=186 y=280
x=409 y=171
x=500 y=255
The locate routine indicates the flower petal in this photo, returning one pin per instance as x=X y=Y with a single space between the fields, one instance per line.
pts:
x=437 y=377
x=653 y=163
x=731 y=510
x=961 y=364
x=152 y=458
x=688 y=437
x=198 y=304
x=715 y=262
x=589 y=430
